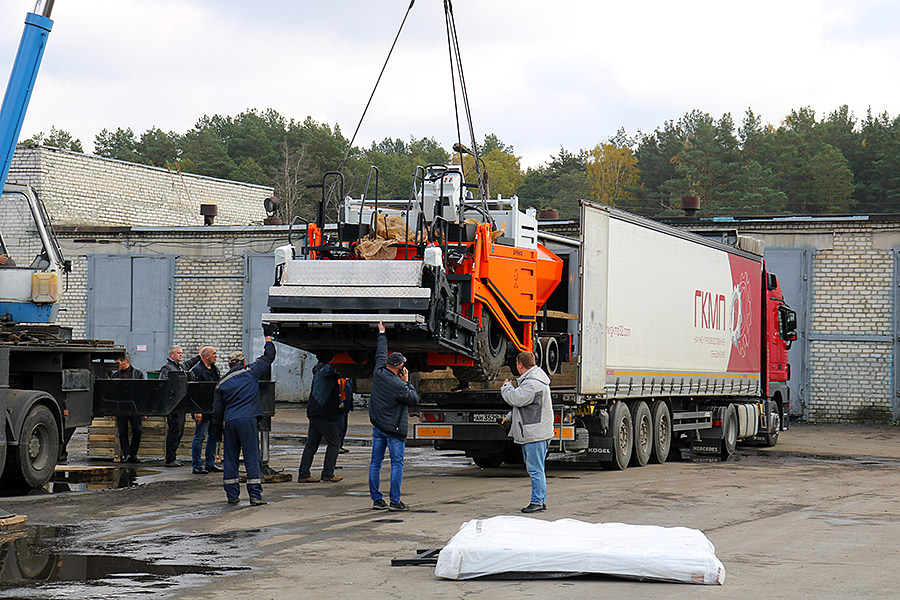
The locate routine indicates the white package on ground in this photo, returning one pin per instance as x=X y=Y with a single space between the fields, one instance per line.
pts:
x=512 y=545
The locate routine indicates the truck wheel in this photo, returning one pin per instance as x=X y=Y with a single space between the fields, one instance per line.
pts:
x=662 y=432
x=643 y=433
x=488 y=461
x=620 y=428
x=491 y=345
x=729 y=431
x=31 y=463
x=774 y=425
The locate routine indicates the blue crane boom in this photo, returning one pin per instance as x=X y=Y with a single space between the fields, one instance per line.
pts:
x=21 y=81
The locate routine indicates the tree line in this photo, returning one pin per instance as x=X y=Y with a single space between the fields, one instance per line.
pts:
x=803 y=166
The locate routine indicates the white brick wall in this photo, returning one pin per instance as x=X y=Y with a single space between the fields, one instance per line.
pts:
x=80 y=189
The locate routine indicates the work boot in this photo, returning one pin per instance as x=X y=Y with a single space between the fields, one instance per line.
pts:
x=174 y=463
x=200 y=471
x=233 y=500
x=333 y=478
x=308 y=480
x=257 y=502
x=213 y=469
x=533 y=508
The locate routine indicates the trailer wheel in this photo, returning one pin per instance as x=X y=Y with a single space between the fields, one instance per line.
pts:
x=643 y=433
x=539 y=356
x=491 y=345
x=620 y=427
x=729 y=431
x=551 y=356
x=31 y=463
x=662 y=432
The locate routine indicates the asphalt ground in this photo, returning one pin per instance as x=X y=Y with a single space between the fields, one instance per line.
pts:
x=814 y=517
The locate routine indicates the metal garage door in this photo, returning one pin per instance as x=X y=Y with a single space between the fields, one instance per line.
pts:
x=130 y=300
x=292 y=370
x=793 y=267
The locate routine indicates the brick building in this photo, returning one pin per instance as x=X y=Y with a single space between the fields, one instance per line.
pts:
x=146 y=272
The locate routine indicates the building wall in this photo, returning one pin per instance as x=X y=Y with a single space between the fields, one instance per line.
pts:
x=209 y=280
x=81 y=189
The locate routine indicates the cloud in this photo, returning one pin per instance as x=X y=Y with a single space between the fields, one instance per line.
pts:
x=539 y=75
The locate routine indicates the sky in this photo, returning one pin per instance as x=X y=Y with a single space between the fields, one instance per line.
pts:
x=540 y=75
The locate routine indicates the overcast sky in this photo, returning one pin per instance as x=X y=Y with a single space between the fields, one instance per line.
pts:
x=540 y=74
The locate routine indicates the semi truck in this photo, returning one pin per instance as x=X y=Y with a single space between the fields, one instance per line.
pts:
x=680 y=346
x=657 y=340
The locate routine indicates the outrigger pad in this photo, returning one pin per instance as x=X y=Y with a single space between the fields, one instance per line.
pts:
x=526 y=548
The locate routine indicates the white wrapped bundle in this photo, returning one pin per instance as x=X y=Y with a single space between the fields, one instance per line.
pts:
x=522 y=545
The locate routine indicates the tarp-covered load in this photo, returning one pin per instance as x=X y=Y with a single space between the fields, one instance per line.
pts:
x=511 y=545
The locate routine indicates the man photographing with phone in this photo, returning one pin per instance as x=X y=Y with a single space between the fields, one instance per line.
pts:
x=389 y=403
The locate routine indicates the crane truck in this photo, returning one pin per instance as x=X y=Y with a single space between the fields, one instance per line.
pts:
x=51 y=383
x=656 y=339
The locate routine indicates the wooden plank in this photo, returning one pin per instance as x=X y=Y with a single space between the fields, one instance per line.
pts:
x=12 y=520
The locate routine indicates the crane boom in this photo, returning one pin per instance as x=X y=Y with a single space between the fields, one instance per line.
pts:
x=21 y=81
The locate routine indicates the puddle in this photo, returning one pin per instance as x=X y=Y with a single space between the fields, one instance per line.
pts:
x=89 y=478
x=36 y=562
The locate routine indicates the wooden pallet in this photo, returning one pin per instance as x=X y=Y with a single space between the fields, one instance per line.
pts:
x=103 y=438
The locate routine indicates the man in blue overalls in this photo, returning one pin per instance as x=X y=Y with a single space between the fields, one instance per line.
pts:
x=236 y=403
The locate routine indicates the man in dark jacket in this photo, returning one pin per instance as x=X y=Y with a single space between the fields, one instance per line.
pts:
x=236 y=404
x=129 y=450
x=323 y=412
x=205 y=370
x=175 y=420
x=389 y=400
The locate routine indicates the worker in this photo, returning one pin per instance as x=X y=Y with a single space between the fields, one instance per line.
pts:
x=531 y=423
x=389 y=403
x=129 y=449
x=345 y=386
x=7 y=261
x=323 y=412
x=237 y=407
x=205 y=370
x=175 y=420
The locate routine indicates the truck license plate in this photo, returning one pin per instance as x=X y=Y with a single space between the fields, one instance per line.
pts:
x=485 y=418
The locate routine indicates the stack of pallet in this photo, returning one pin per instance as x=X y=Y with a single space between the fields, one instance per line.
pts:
x=103 y=438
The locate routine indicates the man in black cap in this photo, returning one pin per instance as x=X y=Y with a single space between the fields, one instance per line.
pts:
x=389 y=400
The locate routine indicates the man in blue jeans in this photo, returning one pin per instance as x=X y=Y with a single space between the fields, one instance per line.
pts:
x=389 y=403
x=205 y=370
x=532 y=423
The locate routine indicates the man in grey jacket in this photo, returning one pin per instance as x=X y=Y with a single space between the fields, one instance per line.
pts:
x=392 y=395
x=532 y=423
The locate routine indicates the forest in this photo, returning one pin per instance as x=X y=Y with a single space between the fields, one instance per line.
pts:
x=836 y=164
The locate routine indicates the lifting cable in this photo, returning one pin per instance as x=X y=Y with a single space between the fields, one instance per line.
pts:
x=372 y=95
x=456 y=58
